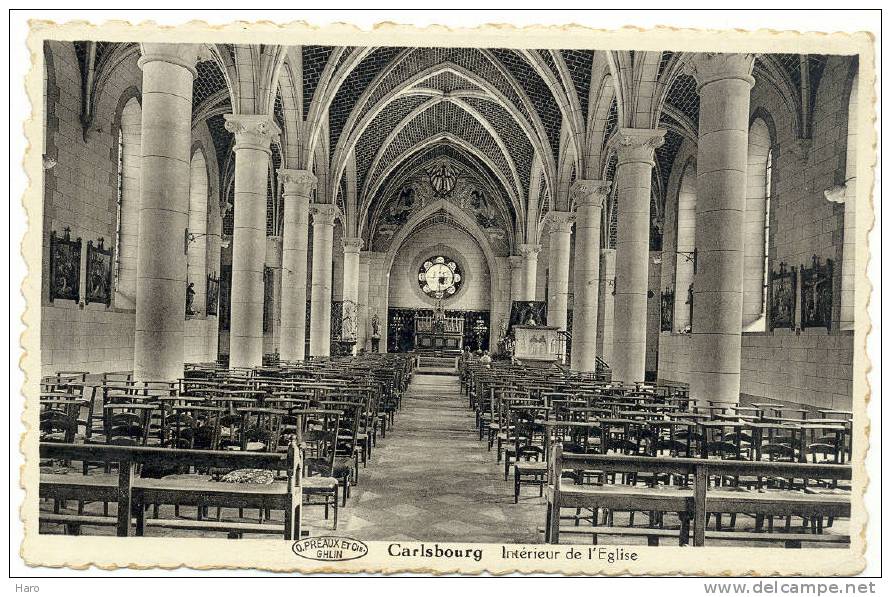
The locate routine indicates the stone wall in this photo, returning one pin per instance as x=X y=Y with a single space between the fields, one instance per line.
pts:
x=80 y=193
x=474 y=294
x=814 y=367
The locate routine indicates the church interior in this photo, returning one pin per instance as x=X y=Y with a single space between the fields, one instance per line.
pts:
x=456 y=294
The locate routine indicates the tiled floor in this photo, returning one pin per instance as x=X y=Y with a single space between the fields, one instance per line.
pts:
x=432 y=479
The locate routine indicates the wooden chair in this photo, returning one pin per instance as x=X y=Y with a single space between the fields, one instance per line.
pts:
x=319 y=445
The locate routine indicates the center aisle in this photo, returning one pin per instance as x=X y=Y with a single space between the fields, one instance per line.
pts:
x=433 y=480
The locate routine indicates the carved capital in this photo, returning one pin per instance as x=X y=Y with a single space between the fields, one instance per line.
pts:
x=252 y=131
x=184 y=55
x=352 y=244
x=297 y=182
x=561 y=221
x=529 y=250
x=638 y=145
x=589 y=192
x=709 y=67
x=324 y=214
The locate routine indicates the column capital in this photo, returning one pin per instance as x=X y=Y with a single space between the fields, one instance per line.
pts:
x=252 y=131
x=297 y=182
x=561 y=221
x=589 y=192
x=352 y=244
x=709 y=67
x=515 y=261
x=528 y=250
x=324 y=214
x=184 y=55
x=638 y=145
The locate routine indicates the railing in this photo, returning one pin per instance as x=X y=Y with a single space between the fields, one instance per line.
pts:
x=564 y=355
x=451 y=325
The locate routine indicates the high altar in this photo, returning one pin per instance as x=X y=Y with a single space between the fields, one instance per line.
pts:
x=536 y=343
x=438 y=331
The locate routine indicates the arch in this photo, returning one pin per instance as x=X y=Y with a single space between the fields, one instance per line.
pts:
x=358 y=122
x=129 y=165
x=757 y=223
x=848 y=273
x=470 y=225
x=368 y=196
x=685 y=245
x=512 y=173
x=595 y=159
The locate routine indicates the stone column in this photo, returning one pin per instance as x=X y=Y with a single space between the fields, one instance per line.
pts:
x=516 y=278
x=636 y=147
x=725 y=84
x=530 y=270
x=167 y=74
x=253 y=134
x=298 y=186
x=363 y=316
x=323 y=216
x=274 y=262
x=196 y=253
x=588 y=196
x=351 y=248
x=558 y=266
x=605 y=306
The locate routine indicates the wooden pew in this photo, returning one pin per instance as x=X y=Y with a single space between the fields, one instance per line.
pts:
x=691 y=503
x=132 y=493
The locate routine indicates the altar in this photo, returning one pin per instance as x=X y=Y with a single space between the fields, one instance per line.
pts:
x=536 y=343
x=439 y=332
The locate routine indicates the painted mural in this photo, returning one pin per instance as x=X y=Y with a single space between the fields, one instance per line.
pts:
x=443 y=180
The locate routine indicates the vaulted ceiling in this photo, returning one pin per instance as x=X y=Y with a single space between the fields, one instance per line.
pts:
x=524 y=121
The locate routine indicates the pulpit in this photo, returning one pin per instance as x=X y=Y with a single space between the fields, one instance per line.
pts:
x=536 y=343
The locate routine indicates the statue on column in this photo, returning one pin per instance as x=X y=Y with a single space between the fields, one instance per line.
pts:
x=190 y=298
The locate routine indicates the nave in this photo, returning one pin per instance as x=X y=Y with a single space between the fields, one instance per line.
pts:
x=434 y=480
x=640 y=263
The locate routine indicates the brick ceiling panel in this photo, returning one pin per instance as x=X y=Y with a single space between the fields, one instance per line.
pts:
x=683 y=95
x=209 y=81
x=314 y=60
x=445 y=117
x=580 y=63
x=664 y=61
x=666 y=154
x=539 y=93
x=448 y=82
x=414 y=62
x=380 y=127
x=514 y=137
x=353 y=87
